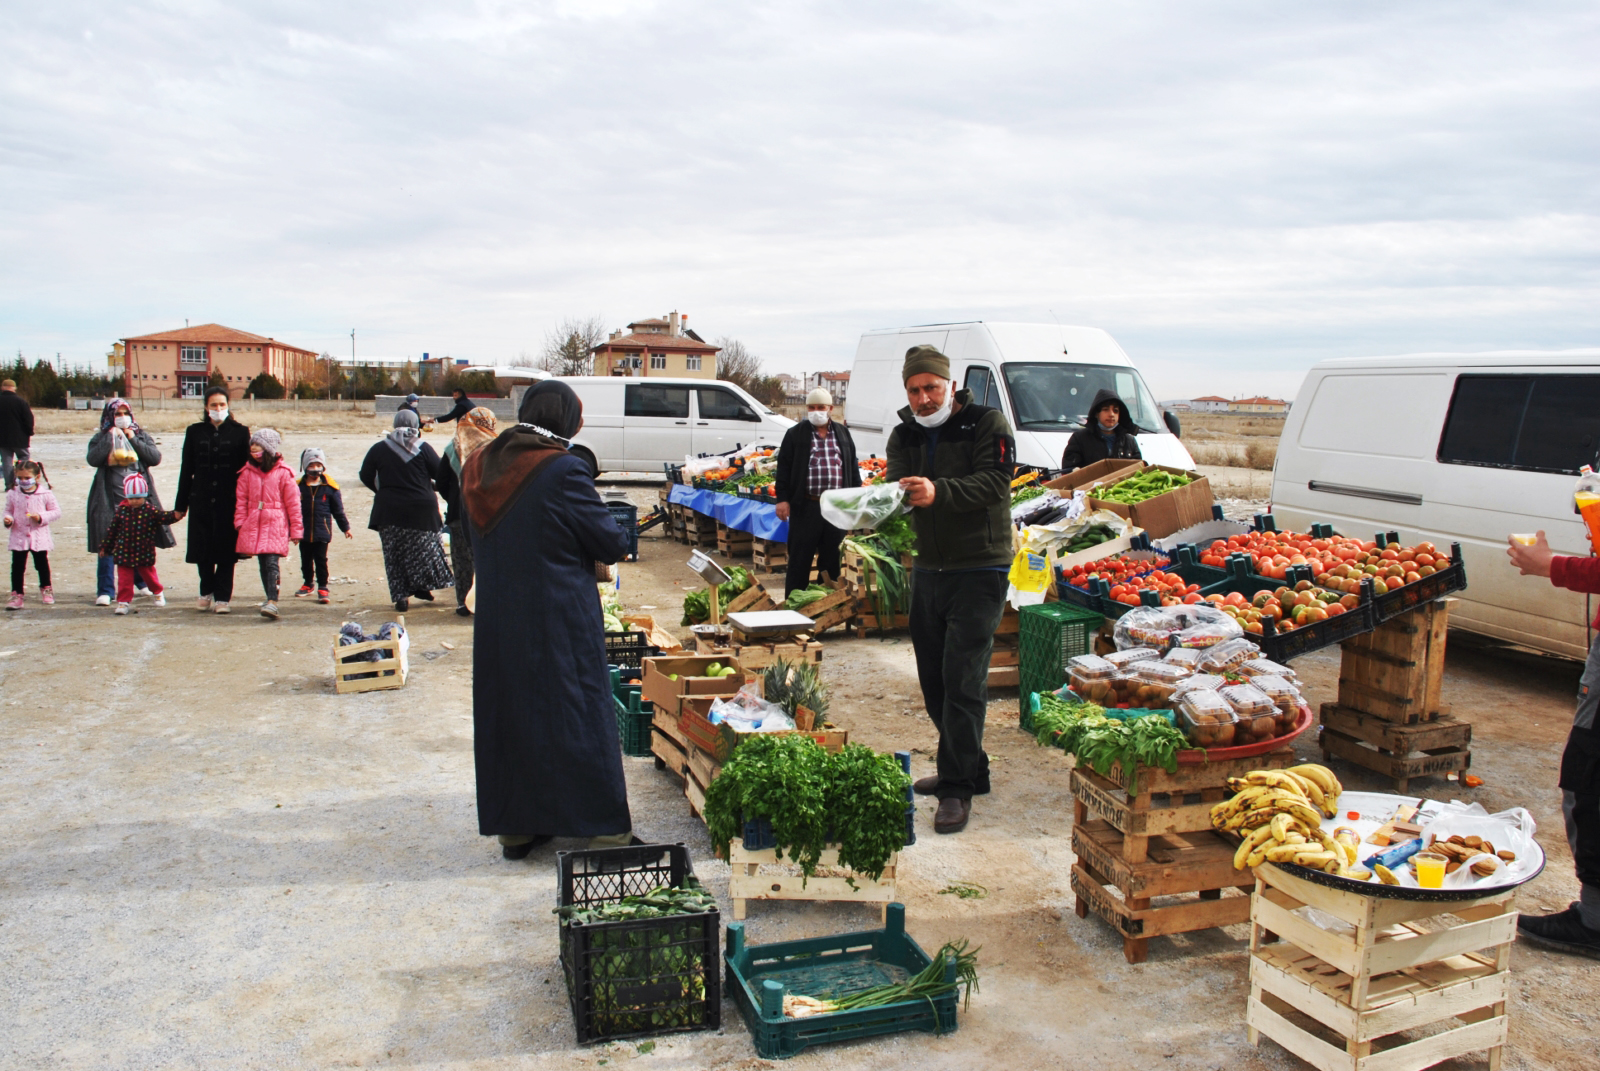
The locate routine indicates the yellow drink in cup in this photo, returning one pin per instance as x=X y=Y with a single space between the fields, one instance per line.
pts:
x=1524 y=539
x=1430 y=870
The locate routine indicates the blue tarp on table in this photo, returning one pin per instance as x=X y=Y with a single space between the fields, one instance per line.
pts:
x=760 y=519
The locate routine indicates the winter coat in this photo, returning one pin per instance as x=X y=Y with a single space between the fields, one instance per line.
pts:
x=974 y=456
x=16 y=421
x=1088 y=446
x=131 y=537
x=794 y=460
x=208 y=481
x=402 y=491
x=26 y=535
x=321 y=507
x=105 y=491
x=267 y=510
x=457 y=411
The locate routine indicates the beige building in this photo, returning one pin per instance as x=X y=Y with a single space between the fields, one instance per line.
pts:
x=1273 y=406
x=657 y=347
x=179 y=363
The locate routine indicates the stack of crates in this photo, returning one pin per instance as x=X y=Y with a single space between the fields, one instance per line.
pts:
x=634 y=715
x=1051 y=633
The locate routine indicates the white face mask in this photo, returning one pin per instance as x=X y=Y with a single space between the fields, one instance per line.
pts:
x=123 y=421
x=940 y=415
x=818 y=417
x=217 y=415
x=27 y=485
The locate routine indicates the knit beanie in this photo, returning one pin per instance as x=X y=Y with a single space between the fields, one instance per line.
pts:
x=921 y=359
x=269 y=440
x=312 y=455
x=134 y=485
x=820 y=396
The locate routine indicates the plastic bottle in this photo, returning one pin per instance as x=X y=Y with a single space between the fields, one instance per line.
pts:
x=1586 y=497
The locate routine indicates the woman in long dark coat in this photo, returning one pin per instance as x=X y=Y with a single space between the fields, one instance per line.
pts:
x=214 y=450
x=549 y=762
x=105 y=490
x=399 y=471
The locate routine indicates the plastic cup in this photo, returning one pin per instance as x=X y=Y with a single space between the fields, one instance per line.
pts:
x=1430 y=870
x=1524 y=539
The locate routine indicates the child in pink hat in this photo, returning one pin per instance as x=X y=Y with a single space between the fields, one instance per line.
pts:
x=131 y=541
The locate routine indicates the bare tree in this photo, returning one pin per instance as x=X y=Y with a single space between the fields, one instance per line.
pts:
x=737 y=364
x=569 y=349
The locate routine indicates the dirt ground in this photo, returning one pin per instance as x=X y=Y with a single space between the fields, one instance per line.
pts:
x=210 y=860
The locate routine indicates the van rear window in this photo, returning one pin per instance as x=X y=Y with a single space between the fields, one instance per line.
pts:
x=1538 y=423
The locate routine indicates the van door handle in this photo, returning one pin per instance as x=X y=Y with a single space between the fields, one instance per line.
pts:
x=685 y=421
x=707 y=423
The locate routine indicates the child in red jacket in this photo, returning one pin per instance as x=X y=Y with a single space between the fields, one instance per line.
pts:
x=131 y=541
x=1577 y=929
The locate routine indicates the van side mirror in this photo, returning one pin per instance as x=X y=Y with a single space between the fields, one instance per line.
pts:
x=1172 y=423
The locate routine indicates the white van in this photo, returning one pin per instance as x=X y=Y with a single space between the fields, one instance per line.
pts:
x=1453 y=447
x=638 y=425
x=1041 y=376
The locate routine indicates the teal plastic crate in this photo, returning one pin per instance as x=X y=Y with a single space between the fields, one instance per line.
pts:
x=823 y=967
x=634 y=717
x=1049 y=634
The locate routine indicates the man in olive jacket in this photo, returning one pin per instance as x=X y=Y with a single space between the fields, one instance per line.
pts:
x=955 y=461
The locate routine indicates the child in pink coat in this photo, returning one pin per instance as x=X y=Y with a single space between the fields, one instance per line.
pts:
x=267 y=511
x=30 y=507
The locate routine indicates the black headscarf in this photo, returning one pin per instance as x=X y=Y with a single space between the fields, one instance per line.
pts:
x=553 y=407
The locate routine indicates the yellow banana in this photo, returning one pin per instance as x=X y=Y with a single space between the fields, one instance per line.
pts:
x=1355 y=873
x=1311 y=791
x=1283 y=853
x=1385 y=875
x=1294 y=836
x=1307 y=814
x=1280 y=826
x=1314 y=860
x=1256 y=858
x=1325 y=780
x=1250 y=843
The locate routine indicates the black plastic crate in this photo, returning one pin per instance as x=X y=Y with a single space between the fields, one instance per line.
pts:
x=650 y=976
x=1410 y=596
x=1282 y=646
x=628 y=650
x=626 y=514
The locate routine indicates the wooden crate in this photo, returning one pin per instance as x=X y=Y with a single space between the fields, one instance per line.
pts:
x=1394 y=672
x=1158 y=842
x=392 y=667
x=769 y=555
x=761 y=655
x=1341 y=1000
x=732 y=542
x=746 y=883
x=1401 y=752
x=668 y=744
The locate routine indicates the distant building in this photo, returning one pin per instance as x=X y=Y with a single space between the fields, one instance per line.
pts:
x=1209 y=404
x=1258 y=405
x=837 y=384
x=791 y=384
x=657 y=347
x=117 y=359
x=179 y=363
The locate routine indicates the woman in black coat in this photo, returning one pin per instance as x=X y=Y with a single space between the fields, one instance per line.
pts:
x=545 y=728
x=1108 y=432
x=399 y=471
x=214 y=450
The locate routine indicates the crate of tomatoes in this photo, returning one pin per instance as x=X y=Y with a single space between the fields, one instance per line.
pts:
x=1112 y=586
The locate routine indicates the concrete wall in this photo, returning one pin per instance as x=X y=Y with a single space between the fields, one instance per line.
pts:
x=502 y=408
x=240 y=405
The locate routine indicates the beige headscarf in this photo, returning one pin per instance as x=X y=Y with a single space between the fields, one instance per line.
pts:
x=472 y=431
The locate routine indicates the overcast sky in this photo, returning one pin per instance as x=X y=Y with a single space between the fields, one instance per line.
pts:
x=1233 y=190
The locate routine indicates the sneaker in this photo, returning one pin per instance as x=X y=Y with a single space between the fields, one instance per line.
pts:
x=121 y=609
x=305 y=589
x=161 y=600
x=47 y=595
x=16 y=601
x=203 y=603
x=140 y=593
x=322 y=596
x=102 y=600
x=269 y=610
x=220 y=608
x=1562 y=932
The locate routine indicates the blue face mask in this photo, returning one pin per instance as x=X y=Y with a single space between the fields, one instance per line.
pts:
x=27 y=486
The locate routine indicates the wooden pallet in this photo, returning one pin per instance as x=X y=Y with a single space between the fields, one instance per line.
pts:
x=747 y=883
x=1401 y=752
x=1395 y=671
x=1158 y=838
x=1340 y=1000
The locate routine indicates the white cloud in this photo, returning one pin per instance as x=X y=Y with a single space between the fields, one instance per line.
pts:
x=1233 y=190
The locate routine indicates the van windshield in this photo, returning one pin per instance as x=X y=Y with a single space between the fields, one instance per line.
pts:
x=1056 y=397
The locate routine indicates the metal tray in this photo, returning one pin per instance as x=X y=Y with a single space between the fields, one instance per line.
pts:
x=767 y=622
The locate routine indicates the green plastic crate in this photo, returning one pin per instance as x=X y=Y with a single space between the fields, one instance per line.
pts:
x=1050 y=633
x=823 y=967
x=633 y=720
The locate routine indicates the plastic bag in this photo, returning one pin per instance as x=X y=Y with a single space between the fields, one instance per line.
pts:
x=1163 y=627
x=747 y=712
x=863 y=507
x=122 y=453
x=1030 y=579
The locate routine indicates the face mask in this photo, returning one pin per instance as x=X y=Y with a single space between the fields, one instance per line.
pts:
x=217 y=415
x=122 y=421
x=313 y=475
x=817 y=417
x=940 y=415
x=27 y=485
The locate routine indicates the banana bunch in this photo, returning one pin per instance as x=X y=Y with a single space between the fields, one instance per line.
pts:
x=1279 y=813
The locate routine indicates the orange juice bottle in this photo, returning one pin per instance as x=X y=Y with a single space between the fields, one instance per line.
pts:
x=1586 y=497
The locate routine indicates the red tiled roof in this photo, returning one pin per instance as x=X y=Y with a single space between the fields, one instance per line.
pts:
x=660 y=343
x=1208 y=398
x=652 y=322
x=215 y=333
x=1260 y=401
x=835 y=376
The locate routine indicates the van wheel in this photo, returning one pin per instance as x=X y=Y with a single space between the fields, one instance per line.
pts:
x=588 y=459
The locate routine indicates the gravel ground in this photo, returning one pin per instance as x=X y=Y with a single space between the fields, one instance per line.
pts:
x=211 y=860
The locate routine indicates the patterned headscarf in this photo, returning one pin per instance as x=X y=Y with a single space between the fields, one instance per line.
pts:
x=109 y=413
x=406 y=437
x=472 y=431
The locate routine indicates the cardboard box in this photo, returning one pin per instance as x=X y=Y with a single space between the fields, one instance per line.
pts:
x=1168 y=513
x=658 y=687
x=1106 y=472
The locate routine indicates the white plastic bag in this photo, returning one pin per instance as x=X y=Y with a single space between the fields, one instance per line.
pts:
x=122 y=453
x=850 y=508
x=747 y=712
